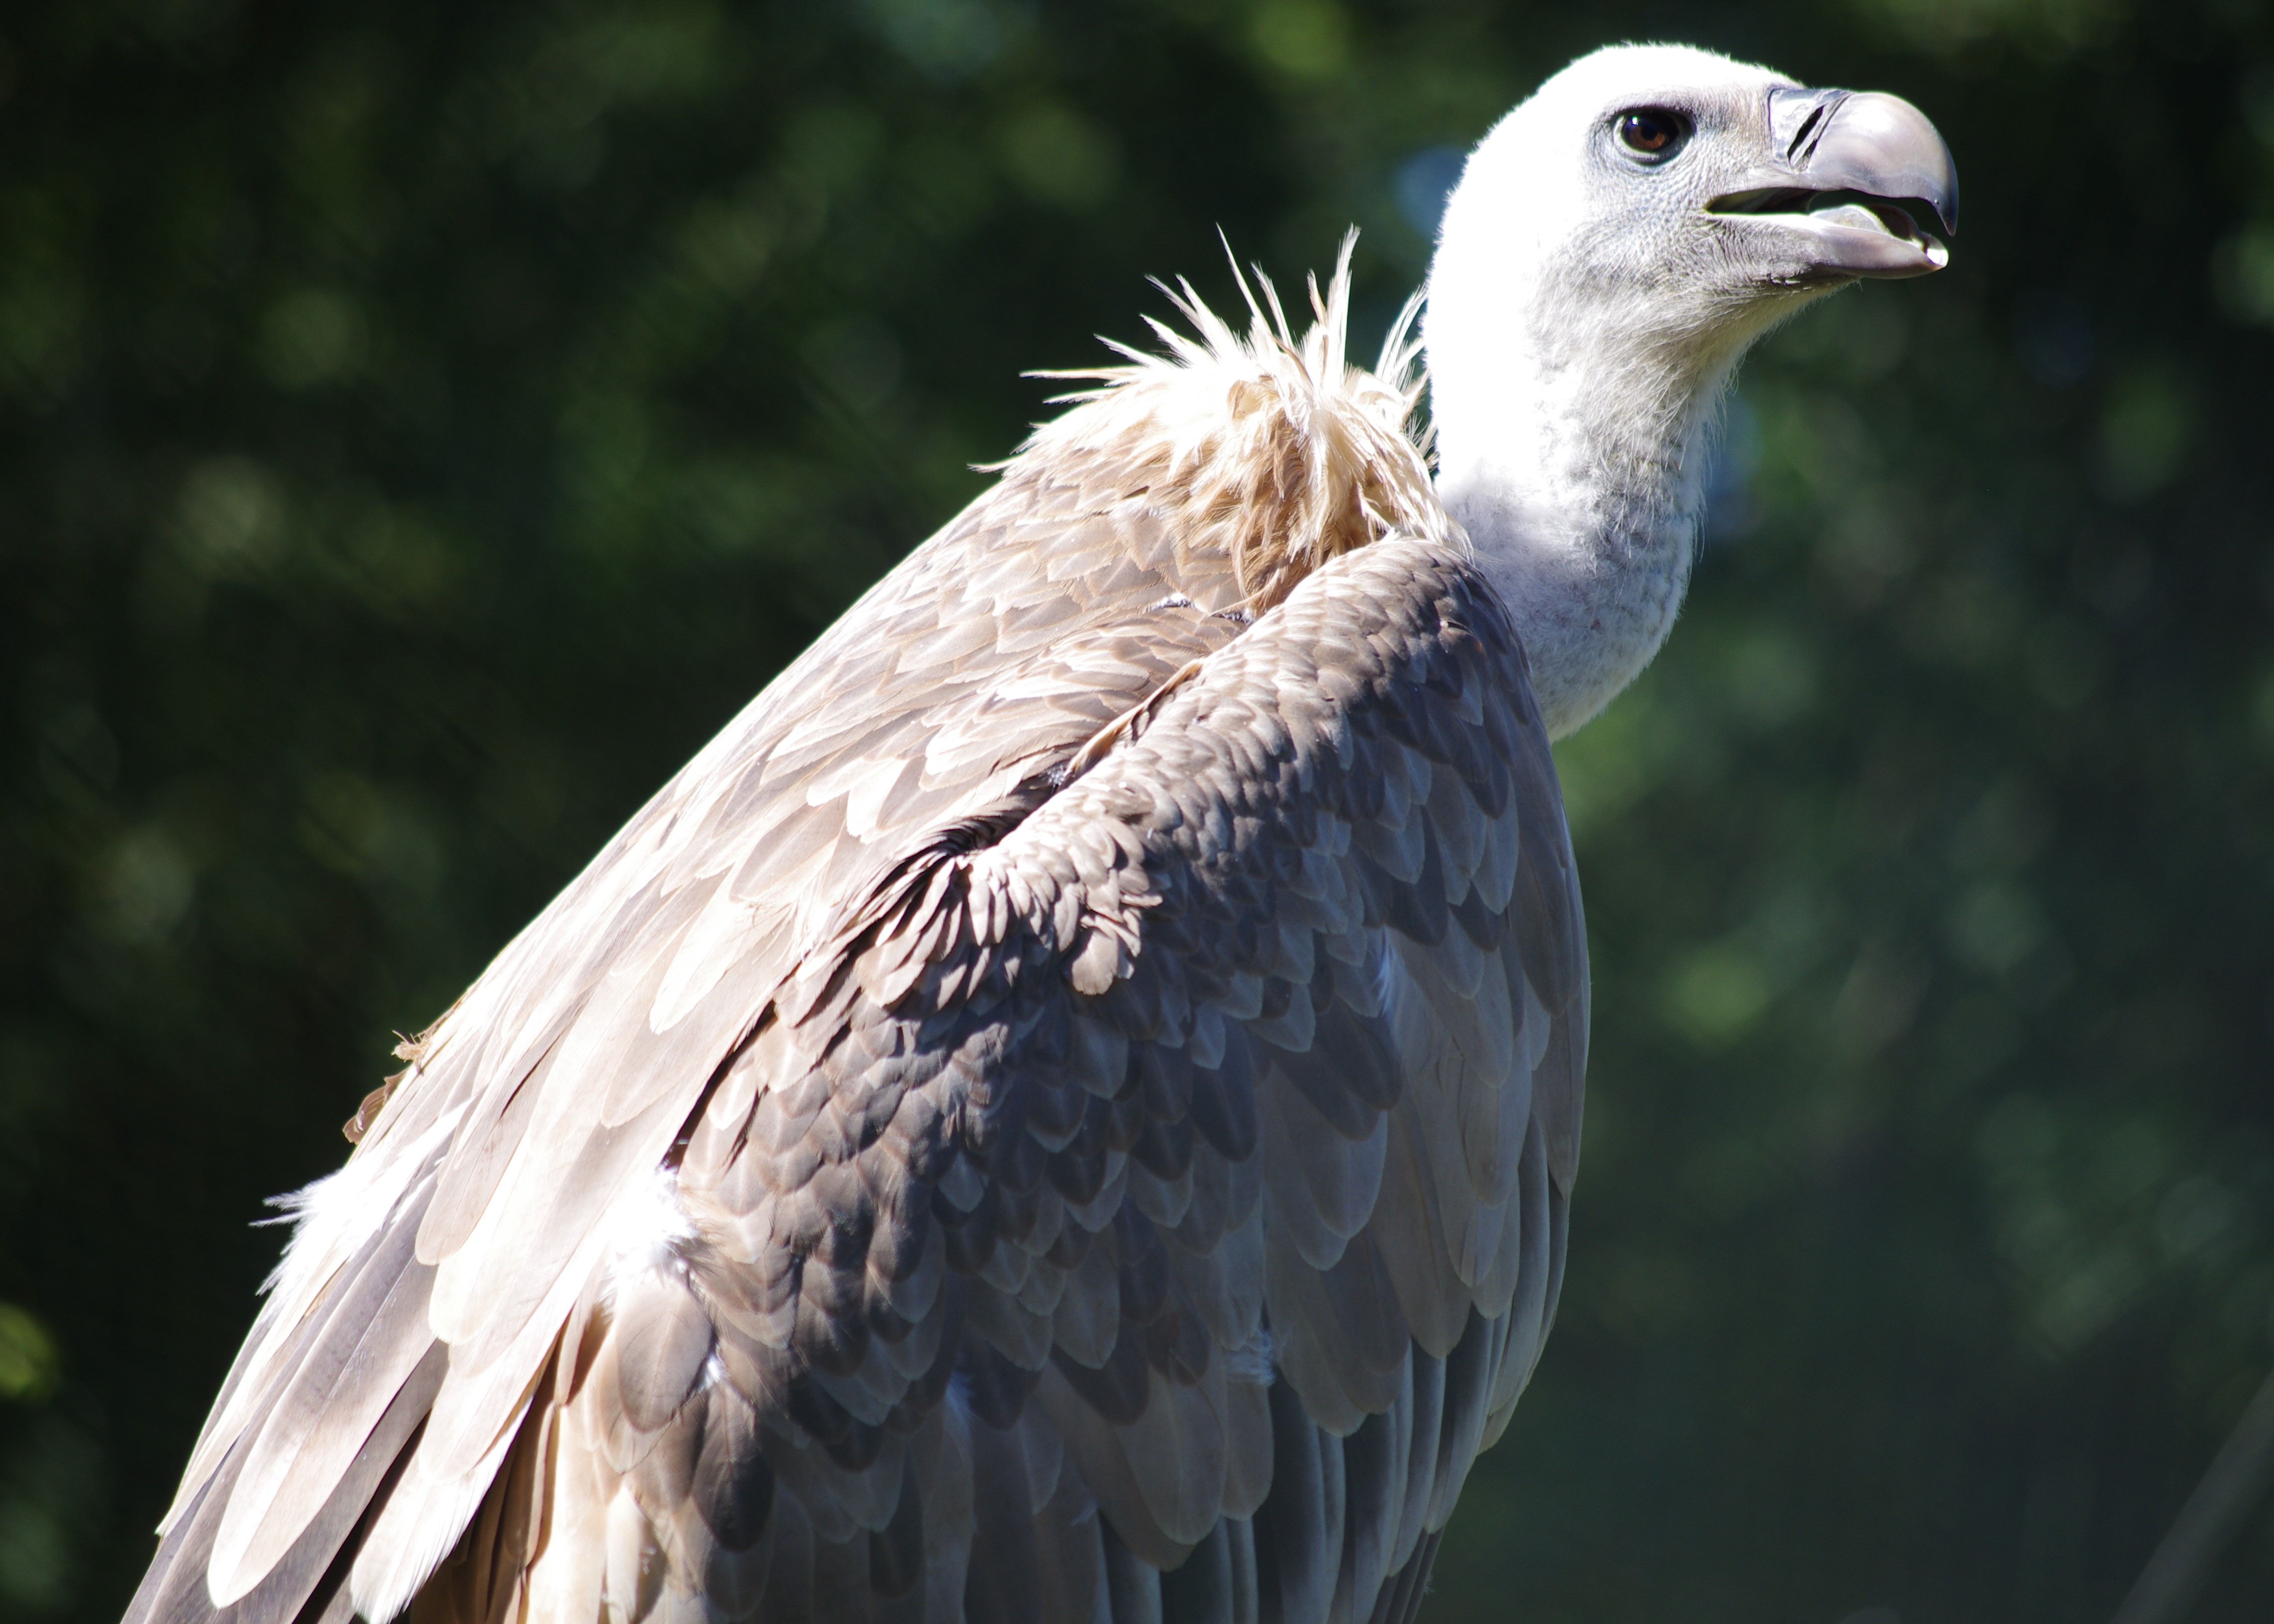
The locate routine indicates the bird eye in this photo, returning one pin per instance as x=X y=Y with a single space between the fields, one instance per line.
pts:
x=1652 y=133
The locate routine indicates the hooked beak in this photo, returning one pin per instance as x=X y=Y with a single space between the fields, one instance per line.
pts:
x=1843 y=166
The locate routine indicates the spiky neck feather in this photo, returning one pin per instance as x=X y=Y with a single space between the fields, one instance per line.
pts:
x=1270 y=451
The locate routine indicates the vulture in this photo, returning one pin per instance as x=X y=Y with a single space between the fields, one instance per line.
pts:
x=1067 y=1110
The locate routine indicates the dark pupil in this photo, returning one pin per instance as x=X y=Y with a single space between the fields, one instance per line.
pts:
x=1645 y=132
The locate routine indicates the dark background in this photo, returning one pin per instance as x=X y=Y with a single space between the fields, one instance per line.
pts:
x=422 y=425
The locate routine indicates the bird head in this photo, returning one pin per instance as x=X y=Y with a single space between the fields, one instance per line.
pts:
x=1676 y=198
x=1614 y=246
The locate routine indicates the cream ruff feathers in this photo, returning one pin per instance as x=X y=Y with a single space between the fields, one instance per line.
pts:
x=1274 y=453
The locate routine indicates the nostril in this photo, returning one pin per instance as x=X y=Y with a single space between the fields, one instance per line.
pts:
x=1799 y=119
x=1814 y=119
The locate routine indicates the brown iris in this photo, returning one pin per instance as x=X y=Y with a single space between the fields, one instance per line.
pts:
x=1651 y=132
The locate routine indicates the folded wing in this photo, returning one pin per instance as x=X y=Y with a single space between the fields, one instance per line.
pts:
x=1066 y=1109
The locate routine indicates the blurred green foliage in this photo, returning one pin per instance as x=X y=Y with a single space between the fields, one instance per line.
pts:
x=421 y=426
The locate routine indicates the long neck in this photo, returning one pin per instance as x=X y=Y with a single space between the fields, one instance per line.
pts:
x=1574 y=457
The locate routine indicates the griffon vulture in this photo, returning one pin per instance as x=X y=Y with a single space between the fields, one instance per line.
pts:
x=1066 y=1109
